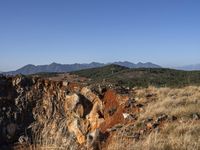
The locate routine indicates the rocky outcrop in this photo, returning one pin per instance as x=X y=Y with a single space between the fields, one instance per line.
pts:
x=49 y=113
x=39 y=113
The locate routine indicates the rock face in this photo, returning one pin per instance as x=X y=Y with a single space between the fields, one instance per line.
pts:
x=48 y=113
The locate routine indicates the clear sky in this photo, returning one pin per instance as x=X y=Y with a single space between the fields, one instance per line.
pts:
x=165 y=32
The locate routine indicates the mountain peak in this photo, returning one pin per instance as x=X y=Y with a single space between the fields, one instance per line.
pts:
x=140 y=63
x=29 y=66
x=94 y=62
x=54 y=63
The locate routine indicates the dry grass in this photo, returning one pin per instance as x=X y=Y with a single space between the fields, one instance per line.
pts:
x=182 y=134
x=173 y=136
x=181 y=103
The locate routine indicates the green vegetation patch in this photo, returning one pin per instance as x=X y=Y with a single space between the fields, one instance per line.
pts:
x=141 y=77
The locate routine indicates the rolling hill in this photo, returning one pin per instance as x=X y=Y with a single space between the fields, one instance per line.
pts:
x=142 y=77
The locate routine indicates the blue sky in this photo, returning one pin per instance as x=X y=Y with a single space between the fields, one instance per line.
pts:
x=166 y=32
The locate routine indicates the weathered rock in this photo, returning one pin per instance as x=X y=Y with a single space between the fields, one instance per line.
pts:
x=161 y=118
x=89 y=94
x=149 y=119
x=149 y=126
x=196 y=116
x=23 y=139
x=130 y=103
x=73 y=127
x=80 y=110
x=152 y=125
x=65 y=83
x=70 y=102
x=93 y=139
x=94 y=115
x=125 y=115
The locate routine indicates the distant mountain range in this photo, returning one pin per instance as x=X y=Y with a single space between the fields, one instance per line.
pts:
x=138 y=65
x=55 y=67
x=189 y=67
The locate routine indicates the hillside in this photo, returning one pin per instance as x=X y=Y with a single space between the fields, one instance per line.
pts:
x=143 y=77
x=101 y=73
